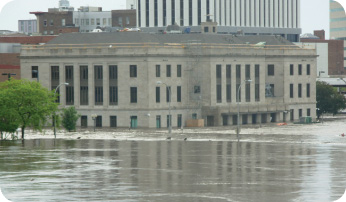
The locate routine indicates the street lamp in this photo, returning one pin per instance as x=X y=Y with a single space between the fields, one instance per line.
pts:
x=54 y=119
x=169 y=106
x=94 y=116
x=238 y=102
x=8 y=74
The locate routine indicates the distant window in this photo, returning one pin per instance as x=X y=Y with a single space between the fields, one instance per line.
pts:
x=98 y=21
x=299 y=90
x=51 y=22
x=63 y=22
x=178 y=93
x=307 y=69
x=270 y=70
x=113 y=121
x=158 y=73
x=133 y=71
x=133 y=94
x=34 y=72
x=206 y=29
x=157 y=94
x=168 y=70
x=300 y=69
x=197 y=89
x=178 y=70
x=291 y=69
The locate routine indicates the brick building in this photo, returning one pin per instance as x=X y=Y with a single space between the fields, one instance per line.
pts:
x=10 y=51
x=124 y=18
x=335 y=52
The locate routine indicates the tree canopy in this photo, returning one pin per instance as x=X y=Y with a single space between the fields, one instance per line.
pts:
x=25 y=103
x=328 y=99
x=69 y=118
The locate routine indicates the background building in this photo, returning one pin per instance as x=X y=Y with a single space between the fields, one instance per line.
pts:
x=253 y=17
x=124 y=18
x=27 y=27
x=338 y=24
x=115 y=75
x=331 y=54
x=90 y=18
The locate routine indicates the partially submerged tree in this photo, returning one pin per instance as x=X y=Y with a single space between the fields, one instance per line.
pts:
x=69 y=118
x=328 y=99
x=26 y=103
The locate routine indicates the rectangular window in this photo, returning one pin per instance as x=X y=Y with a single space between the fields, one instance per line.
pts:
x=308 y=69
x=68 y=73
x=228 y=71
x=218 y=71
x=113 y=95
x=92 y=21
x=218 y=93
x=45 y=23
x=133 y=71
x=34 y=72
x=98 y=72
x=98 y=21
x=247 y=72
x=247 y=92
x=51 y=22
x=300 y=69
x=69 y=95
x=291 y=69
x=84 y=95
x=228 y=93
x=98 y=95
x=178 y=93
x=168 y=70
x=158 y=121
x=83 y=72
x=299 y=90
x=158 y=72
x=307 y=90
x=271 y=70
x=300 y=113
x=169 y=120
x=99 y=121
x=308 y=112
x=133 y=94
x=180 y=121
x=113 y=121
x=291 y=91
x=113 y=72
x=63 y=22
x=257 y=83
x=168 y=93
x=178 y=70
x=84 y=121
x=157 y=94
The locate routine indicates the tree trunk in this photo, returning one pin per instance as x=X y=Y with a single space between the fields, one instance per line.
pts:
x=23 y=128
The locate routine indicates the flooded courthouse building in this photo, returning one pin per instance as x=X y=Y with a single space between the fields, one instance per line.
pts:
x=138 y=79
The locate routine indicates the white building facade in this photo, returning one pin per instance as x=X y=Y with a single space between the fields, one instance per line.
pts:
x=88 y=19
x=267 y=17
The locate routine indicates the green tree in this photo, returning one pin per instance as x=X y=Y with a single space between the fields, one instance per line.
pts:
x=69 y=118
x=25 y=103
x=328 y=99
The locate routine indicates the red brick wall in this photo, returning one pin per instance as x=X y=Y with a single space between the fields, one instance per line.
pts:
x=335 y=55
x=26 y=39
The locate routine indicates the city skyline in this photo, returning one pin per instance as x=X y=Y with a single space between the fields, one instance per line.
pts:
x=313 y=16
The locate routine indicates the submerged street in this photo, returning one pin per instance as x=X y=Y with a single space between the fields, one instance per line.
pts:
x=271 y=163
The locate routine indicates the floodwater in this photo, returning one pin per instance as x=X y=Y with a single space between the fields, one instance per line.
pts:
x=262 y=167
x=108 y=170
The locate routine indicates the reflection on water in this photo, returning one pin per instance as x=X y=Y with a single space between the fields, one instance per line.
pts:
x=106 y=170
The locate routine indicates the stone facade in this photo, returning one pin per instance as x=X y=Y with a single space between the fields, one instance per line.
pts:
x=203 y=78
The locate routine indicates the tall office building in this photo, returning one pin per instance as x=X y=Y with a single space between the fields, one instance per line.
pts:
x=338 y=23
x=253 y=17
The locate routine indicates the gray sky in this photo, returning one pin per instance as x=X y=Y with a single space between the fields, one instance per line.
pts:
x=314 y=13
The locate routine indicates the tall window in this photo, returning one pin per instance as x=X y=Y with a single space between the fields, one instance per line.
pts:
x=139 y=13
x=218 y=71
x=218 y=93
x=271 y=70
x=84 y=90
x=300 y=69
x=238 y=81
x=178 y=93
x=181 y=13
x=133 y=70
x=133 y=94
x=257 y=83
x=228 y=85
x=291 y=69
x=157 y=94
x=168 y=70
x=291 y=91
x=98 y=72
x=155 y=13
x=158 y=73
x=164 y=5
x=190 y=13
x=308 y=69
x=69 y=88
x=173 y=11
x=55 y=79
x=113 y=84
x=99 y=121
x=247 y=72
x=178 y=70
x=300 y=90
x=34 y=72
x=147 y=12
x=307 y=90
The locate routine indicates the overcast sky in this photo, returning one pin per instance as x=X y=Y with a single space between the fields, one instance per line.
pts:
x=314 y=13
